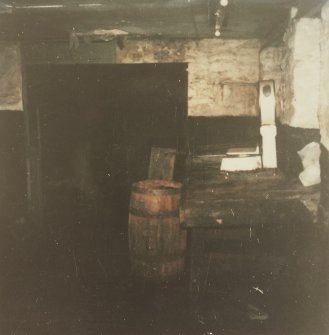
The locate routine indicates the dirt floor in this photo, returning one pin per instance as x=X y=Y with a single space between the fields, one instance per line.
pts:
x=69 y=274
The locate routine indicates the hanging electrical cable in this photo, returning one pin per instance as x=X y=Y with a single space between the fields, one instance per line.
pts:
x=219 y=16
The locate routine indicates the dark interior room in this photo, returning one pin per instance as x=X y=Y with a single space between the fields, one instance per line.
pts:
x=164 y=167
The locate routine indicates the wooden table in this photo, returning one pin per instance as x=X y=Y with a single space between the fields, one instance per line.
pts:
x=237 y=198
x=216 y=201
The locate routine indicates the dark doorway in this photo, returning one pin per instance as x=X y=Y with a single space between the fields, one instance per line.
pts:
x=98 y=122
x=93 y=128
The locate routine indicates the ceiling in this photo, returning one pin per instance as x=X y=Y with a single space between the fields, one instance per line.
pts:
x=54 y=20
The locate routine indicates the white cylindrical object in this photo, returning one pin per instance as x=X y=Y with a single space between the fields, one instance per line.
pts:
x=269 y=155
x=267 y=102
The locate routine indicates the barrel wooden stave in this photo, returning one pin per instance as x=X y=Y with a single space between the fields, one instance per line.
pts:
x=157 y=243
x=161 y=236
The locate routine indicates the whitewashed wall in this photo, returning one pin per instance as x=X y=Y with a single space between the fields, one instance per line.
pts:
x=10 y=77
x=301 y=74
x=324 y=86
x=222 y=74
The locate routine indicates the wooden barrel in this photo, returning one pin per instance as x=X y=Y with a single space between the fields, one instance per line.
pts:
x=157 y=243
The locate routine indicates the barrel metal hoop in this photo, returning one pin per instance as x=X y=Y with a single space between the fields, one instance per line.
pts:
x=143 y=213
x=157 y=191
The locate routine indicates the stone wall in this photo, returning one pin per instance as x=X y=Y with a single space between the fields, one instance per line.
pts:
x=222 y=74
x=324 y=84
x=11 y=77
x=301 y=74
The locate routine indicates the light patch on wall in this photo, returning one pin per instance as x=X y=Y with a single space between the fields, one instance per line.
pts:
x=11 y=77
x=236 y=97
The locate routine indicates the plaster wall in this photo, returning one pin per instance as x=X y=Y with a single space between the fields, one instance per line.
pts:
x=324 y=83
x=301 y=74
x=222 y=74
